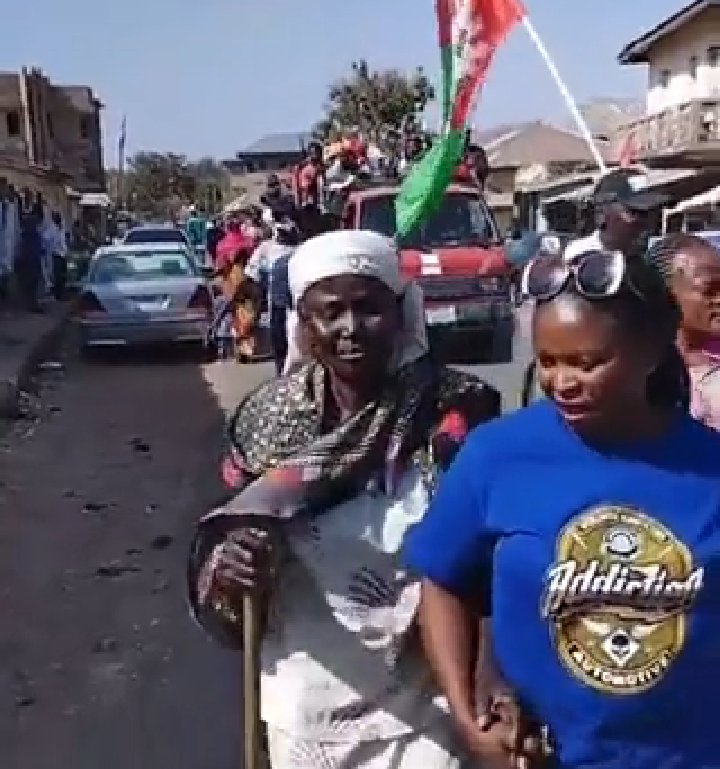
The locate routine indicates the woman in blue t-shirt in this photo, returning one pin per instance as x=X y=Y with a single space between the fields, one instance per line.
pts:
x=594 y=518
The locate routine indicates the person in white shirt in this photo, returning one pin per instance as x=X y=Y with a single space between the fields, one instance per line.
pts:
x=624 y=204
x=261 y=269
x=57 y=245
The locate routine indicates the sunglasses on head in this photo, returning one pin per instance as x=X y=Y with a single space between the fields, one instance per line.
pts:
x=596 y=274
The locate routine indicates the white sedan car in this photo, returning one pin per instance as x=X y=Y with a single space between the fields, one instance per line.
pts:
x=147 y=234
x=141 y=294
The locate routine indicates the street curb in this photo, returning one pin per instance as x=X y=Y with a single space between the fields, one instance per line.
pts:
x=11 y=388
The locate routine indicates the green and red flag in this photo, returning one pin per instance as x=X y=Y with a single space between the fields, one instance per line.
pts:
x=470 y=33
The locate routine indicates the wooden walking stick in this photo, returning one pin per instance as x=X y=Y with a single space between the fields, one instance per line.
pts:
x=251 y=683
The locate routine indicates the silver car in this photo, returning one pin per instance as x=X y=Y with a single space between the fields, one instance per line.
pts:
x=147 y=234
x=154 y=234
x=143 y=294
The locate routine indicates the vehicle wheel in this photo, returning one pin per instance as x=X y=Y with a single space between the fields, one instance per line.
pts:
x=502 y=343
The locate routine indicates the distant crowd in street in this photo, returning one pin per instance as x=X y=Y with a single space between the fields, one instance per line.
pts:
x=330 y=170
x=34 y=245
x=249 y=248
x=415 y=605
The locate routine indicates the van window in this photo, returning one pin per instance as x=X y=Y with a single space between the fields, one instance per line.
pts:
x=462 y=220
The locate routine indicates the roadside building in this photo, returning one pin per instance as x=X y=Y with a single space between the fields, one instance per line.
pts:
x=526 y=154
x=681 y=124
x=50 y=139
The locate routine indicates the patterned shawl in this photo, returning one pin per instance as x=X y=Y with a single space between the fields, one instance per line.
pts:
x=292 y=466
x=278 y=433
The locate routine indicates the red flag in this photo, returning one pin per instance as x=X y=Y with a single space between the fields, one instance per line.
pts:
x=470 y=31
x=473 y=30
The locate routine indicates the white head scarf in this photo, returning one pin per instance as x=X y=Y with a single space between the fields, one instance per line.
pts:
x=356 y=252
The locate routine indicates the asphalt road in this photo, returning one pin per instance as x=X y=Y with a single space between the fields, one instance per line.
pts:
x=100 y=665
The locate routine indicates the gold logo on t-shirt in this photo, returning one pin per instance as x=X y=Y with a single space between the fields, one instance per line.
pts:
x=617 y=597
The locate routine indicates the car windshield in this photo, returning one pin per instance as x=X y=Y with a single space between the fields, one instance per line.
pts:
x=160 y=235
x=463 y=220
x=141 y=265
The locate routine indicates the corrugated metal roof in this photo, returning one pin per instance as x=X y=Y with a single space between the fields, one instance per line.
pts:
x=547 y=185
x=583 y=192
x=656 y=177
x=278 y=144
x=708 y=198
x=517 y=146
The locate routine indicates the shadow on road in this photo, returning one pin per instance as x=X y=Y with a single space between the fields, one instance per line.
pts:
x=102 y=665
x=150 y=355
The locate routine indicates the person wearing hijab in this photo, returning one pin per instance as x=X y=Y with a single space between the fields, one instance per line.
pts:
x=337 y=460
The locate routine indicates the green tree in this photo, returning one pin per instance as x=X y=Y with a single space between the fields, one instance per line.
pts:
x=156 y=184
x=374 y=101
x=212 y=184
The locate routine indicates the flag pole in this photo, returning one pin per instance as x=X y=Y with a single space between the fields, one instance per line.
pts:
x=567 y=96
x=121 y=163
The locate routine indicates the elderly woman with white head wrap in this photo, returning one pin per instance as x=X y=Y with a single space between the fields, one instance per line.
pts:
x=338 y=459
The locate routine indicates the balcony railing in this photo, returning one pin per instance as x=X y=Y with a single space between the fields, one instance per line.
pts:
x=693 y=127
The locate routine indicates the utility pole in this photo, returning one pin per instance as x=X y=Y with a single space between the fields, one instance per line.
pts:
x=121 y=164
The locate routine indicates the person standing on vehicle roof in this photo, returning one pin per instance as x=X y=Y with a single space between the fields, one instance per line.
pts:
x=624 y=204
x=413 y=151
x=310 y=179
x=474 y=168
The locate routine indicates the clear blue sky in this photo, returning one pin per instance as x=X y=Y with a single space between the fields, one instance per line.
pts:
x=208 y=77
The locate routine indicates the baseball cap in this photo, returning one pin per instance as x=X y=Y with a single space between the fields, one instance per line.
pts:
x=630 y=188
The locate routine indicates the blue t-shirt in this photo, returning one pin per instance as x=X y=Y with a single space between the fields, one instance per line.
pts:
x=605 y=582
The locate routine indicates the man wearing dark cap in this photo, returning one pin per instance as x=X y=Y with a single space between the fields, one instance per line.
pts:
x=623 y=202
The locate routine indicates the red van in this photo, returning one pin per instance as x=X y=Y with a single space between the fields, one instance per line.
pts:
x=458 y=259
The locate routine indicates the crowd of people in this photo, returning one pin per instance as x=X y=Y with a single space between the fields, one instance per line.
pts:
x=443 y=586
x=33 y=249
x=329 y=171
x=250 y=248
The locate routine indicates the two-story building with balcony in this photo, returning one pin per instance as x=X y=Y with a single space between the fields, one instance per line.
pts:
x=681 y=126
